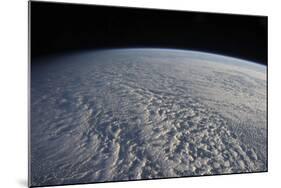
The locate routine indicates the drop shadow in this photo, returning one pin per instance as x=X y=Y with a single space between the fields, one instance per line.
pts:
x=22 y=182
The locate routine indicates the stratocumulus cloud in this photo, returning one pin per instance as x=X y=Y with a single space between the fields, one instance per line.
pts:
x=145 y=113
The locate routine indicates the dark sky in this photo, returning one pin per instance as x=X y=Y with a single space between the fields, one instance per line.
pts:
x=62 y=28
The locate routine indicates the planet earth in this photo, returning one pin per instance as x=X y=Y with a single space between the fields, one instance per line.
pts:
x=145 y=113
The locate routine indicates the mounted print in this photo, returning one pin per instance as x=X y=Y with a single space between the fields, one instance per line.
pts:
x=121 y=93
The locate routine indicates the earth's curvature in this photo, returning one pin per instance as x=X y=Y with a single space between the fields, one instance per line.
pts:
x=128 y=114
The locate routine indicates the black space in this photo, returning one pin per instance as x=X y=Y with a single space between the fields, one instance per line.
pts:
x=63 y=27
